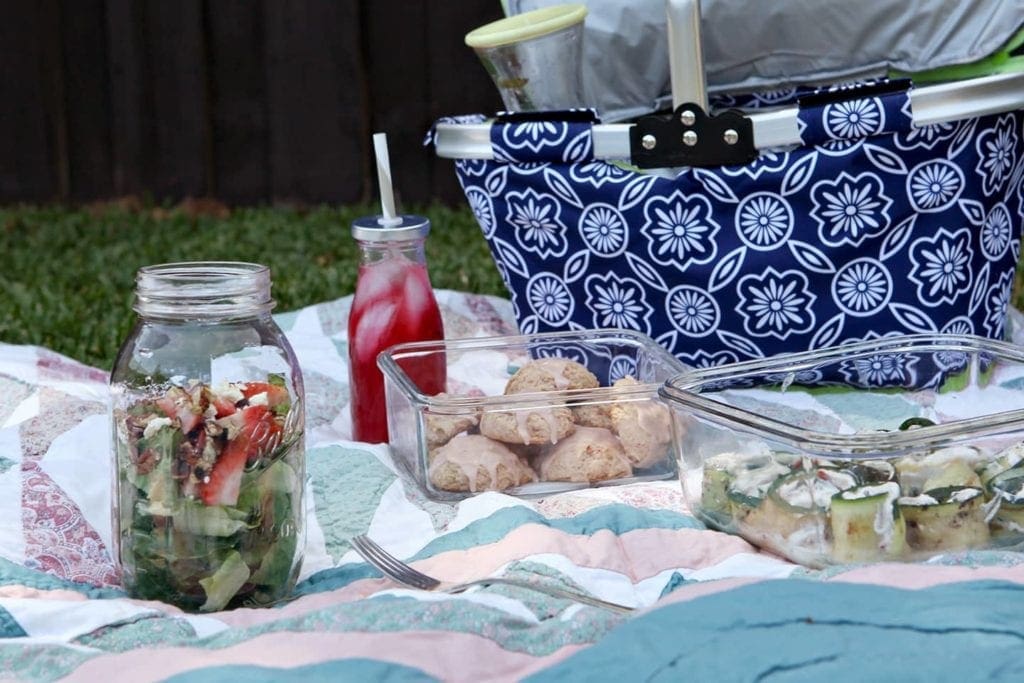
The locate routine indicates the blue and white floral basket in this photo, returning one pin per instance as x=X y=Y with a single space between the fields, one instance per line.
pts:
x=868 y=225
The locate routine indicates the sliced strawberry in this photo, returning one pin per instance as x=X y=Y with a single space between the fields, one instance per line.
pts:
x=222 y=485
x=262 y=429
x=257 y=429
x=276 y=394
x=177 y=404
x=168 y=405
x=223 y=405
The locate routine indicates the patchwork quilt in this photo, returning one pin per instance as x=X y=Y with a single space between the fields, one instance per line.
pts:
x=709 y=605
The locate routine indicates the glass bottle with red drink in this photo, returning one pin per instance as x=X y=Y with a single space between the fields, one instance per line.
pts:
x=394 y=303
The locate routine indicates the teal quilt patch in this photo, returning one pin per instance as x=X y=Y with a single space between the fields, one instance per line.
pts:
x=796 y=630
x=9 y=627
x=347 y=485
x=338 y=670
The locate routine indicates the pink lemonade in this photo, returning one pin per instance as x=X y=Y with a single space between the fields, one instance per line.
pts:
x=393 y=303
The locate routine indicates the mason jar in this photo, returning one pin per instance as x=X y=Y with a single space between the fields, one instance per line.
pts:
x=209 y=459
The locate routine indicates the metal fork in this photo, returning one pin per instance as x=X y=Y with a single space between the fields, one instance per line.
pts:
x=399 y=571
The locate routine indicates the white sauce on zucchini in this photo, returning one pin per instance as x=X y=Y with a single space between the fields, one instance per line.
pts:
x=756 y=481
x=922 y=500
x=815 y=489
x=884 y=519
x=964 y=495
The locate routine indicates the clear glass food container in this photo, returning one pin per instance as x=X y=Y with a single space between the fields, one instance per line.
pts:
x=209 y=464
x=531 y=415
x=898 y=448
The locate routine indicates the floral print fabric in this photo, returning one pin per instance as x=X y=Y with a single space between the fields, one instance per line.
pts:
x=871 y=228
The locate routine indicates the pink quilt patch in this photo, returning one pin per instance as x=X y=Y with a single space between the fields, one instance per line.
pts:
x=55 y=366
x=58 y=540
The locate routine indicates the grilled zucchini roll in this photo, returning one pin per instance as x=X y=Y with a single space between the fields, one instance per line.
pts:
x=734 y=484
x=867 y=525
x=947 y=518
x=953 y=466
x=796 y=506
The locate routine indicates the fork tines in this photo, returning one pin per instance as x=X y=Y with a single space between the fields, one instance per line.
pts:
x=391 y=566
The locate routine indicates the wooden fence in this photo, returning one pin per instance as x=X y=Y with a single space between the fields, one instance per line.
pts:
x=246 y=101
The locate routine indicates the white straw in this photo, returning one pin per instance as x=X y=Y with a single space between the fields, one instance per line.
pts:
x=387 y=196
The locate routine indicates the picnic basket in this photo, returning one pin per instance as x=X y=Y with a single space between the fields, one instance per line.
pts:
x=850 y=213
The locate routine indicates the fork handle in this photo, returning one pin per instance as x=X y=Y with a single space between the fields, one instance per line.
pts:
x=540 y=588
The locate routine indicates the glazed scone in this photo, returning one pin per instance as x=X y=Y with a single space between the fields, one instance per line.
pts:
x=528 y=426
x=551 y=374
x=590 y=454
x=441 y=428
x=592 y=415
x=644 y=428
x=471 y=462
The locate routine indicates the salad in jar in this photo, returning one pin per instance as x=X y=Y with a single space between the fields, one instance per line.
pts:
x=209 y=493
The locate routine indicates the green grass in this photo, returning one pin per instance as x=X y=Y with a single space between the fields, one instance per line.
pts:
x=67 y=277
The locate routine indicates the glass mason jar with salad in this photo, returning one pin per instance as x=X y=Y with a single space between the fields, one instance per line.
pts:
x=209 y=461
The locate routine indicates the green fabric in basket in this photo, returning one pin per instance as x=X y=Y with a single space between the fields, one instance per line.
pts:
x=1006 y=60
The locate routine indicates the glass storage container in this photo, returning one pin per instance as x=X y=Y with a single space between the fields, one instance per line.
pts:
x=209 y=464
x=899 y=448
x=531 y=415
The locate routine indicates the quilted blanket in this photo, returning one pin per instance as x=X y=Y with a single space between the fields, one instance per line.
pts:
x=709 y=605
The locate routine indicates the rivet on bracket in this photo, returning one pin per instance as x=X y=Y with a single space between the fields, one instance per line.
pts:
x=687 y=117
x=689 y=138
x=731 y=137
x=649 y=142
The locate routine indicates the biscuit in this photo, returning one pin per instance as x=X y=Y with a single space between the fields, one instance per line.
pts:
x=590 y=454
x=551 y=374
x=528 y=426
x=470 y=462
x=440 y=428
x=643 y=426
x=592 y=415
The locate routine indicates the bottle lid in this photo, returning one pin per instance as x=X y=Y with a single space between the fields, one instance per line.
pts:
x=378 y=229
x=525 y=26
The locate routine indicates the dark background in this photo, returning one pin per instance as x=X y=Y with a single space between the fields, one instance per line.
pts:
x=245 y=101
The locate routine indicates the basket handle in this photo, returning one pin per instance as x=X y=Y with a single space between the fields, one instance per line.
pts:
x=690 y=135
x=686 y=53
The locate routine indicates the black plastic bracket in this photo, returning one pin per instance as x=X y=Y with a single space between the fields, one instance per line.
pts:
x=691 y=137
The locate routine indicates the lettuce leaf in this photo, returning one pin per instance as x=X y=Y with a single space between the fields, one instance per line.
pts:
x=222 y=585
x=192 y=517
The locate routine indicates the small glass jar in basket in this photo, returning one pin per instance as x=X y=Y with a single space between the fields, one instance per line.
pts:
x=209 y=465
